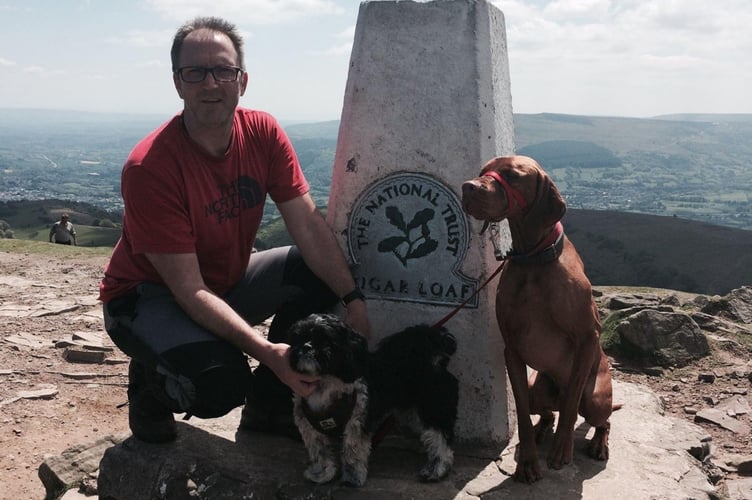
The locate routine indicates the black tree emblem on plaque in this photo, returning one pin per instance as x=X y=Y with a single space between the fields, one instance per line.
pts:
x=415 y=235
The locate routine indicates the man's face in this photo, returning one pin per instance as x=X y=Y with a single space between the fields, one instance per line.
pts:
x=209 y=104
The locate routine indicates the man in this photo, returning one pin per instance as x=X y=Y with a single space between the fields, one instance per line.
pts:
x=183 y=286
x=63 y=231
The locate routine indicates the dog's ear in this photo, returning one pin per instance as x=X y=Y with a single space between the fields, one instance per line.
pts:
x=549 y=206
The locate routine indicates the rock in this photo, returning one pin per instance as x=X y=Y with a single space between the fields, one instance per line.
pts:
x=718 y=417
x=72 y=466
x=744 y=466
x=671 y=339
x=617 y=302
x=81 y=355
x=48 y=392
x=74 y=495
x=739 y=489
x=45 y=392
x=734 y=462
x=211 y=461
x=736 y=305
x=653 y=371
x=671 y=300
x=27 y=340
x=54 y=308
x=733 y=406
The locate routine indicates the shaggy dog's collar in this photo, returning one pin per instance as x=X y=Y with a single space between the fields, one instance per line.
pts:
x=331 y=420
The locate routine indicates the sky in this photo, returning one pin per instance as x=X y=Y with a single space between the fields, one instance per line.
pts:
x=631 y=58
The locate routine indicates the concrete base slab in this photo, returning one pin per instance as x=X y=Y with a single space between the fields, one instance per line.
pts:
x=211 y=460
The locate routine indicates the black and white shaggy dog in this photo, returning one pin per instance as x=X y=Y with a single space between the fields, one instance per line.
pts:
x=406 y=378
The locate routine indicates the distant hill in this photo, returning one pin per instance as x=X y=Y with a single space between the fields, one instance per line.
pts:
x=630 y=249
x=707 y=117
x=695 y=166
x=689 y=174
x=618 y=248
x=31 y=220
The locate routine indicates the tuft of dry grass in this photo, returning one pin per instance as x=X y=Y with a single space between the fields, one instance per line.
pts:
x=51 y=249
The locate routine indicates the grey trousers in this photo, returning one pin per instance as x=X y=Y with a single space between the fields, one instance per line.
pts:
x=205 y=375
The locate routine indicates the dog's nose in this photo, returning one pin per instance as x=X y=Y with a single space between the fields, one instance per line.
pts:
x=468 y=187
x=468 y=191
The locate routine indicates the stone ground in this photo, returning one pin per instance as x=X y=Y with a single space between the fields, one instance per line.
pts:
x=55 y=393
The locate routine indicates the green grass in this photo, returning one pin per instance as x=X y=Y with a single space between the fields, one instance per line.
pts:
x=87 y=236
x=31 y=220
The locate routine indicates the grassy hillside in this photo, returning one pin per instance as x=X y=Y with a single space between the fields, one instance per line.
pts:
x=31 y=220
x=625 y=249
x=666 y=252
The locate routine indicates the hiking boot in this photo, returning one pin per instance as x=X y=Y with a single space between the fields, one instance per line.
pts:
x=269 y=419
x=149 y=414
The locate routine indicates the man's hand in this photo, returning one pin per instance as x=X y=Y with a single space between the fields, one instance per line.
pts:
x=279 y=362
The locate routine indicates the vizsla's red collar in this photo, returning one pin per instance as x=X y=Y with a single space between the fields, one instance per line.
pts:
x=512 y=194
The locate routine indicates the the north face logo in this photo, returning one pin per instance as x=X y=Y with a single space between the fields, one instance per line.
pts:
x=243 y=194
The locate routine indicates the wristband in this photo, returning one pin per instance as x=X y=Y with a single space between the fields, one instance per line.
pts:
x=354 y=295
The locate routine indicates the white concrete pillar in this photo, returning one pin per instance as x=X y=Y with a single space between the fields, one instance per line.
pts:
x=427 y=103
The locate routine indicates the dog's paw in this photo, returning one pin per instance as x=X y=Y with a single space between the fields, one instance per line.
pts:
x=354 y=474
x=321 y=472
x=597 y=447
x=528 y=473
x=435 y=470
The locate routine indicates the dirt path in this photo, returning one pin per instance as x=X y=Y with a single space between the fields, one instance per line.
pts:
x=49 y=403
x=44 y=301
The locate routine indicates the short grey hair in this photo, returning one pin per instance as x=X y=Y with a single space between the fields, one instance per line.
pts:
x=211 y=23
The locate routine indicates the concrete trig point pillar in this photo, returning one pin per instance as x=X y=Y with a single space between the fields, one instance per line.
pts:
x=427 y=103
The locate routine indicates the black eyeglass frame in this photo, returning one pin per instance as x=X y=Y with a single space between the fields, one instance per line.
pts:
x=206 y=70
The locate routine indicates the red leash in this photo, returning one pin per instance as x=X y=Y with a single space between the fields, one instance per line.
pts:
x=451 y=314
x=389 y=423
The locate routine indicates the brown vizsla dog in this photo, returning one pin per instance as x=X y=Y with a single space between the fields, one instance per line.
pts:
x=546 y=314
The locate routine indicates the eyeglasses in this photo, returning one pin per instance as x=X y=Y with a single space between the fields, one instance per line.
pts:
x=196 y=74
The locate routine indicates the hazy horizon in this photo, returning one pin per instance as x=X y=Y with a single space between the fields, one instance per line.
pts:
x=293 y=121
x=624 y=58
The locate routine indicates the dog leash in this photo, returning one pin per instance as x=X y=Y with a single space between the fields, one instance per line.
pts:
x=386 y=426
x=451 y=314
x=499 y=256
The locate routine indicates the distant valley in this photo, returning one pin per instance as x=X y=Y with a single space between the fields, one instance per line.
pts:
x=693 y=166
x=688 y=175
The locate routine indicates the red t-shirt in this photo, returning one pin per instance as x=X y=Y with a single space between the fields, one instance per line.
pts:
x=179 y=199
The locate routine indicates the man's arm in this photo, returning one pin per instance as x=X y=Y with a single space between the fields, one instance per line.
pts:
x=73 y=235
x=181 y=274
x=52 y=231
x=321 y=253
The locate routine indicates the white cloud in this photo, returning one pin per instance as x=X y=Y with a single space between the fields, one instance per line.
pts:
x=144 y=39
x=6 y=62
x=578 y=10
x=626 y=54
x=345 y=46
x=245 y=11
x=33 y=69
x=670 y=63
x=346 y=34
x=152 y=63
